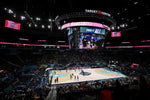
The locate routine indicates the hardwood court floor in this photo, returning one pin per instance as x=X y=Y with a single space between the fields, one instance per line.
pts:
x=95 y=74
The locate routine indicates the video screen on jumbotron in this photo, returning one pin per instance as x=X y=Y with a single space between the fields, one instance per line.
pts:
x=91 y=38
x=71 y=38
x=86 y=38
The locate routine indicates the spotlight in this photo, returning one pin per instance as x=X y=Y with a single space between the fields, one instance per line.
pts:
x=122 y=25
x=113 y=28
x=59 y=27
x=5 y=8
x=135 y=3
x=49 y=20
x=139 y=17
x=58 y=47
x=38 y=19
x=30 y=25
x=14 y=15
x=118 y=13
x=35 y=25
x=118 y=27
x=132 y=20
x=22 y=17
x=122 y=18
x=10 y=11
x=141 y=52
x=43 y=26
x=48 y=26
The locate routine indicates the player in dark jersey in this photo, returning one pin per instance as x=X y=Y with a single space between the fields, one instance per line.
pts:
x=84 y=41
x=92 y=42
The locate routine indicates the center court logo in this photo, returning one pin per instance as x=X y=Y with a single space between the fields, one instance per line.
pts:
x=85 y=73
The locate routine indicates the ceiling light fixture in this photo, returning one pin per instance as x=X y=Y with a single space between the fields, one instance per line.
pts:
x=35 y=25
x=135 y=3
x=10 y=11
x=43 y=26
x=48 y=26
x=49 y=20
x=22 y=17
x=14 y=15
x=5 y=8
x=38 y=18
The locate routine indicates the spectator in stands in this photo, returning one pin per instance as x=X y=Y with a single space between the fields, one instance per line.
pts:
x=105 y=94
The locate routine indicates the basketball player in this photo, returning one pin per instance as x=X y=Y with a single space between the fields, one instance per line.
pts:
x=57 y=79
x=77 y=77
x=84 y=41
x=92 y=42
x=82 y=72
x=70 y=76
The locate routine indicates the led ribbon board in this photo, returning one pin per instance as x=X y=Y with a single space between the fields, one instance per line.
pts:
x=92 y=24
x=92 y=30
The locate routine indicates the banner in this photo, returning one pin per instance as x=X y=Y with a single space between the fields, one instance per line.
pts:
x=115 y=34
x=134 y=66
x=13 y=25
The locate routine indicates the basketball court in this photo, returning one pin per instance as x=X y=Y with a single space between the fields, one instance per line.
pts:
x=82 y=75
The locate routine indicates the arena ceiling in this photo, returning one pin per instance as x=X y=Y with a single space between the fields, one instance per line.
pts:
x=134 y=13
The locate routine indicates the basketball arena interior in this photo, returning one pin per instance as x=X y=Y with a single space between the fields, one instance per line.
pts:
x=74 y=50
